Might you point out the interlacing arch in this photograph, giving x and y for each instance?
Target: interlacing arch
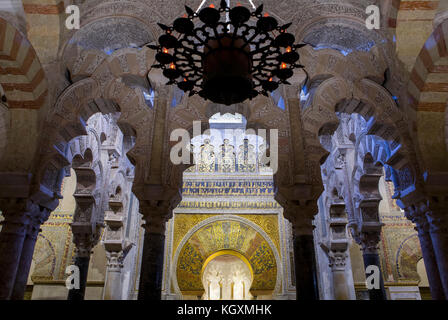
(380, 154)
(366, 98)
(326, 63)
(87, 219)
(103, 92)
(81, 59)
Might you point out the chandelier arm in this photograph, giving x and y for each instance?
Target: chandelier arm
(202, 42)
(194, 51)
(248, 41)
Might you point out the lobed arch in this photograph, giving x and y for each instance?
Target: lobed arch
(88, 218)
(374, 158)
(342, 13)
(118, 185)
(372, 171)
(138, 19)
(333, 186)
(366, 98)
(117, 196)
(104, 92)
(84, 153)
(326, 63)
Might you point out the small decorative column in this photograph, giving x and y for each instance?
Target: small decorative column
(32, 231)
(369, 237)
(417, 214)
(304, 252)
(86, 233)
(336, 249)
(16, 213)
(369, 243)
(437, 215)
(151, 274)
(116, 248)
(112, 288)
(84, 245)
(337, 264)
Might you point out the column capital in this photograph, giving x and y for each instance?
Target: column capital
(369, 240)
(438, 220)
(22, 215)
(338, 260)
(156, 214)
(417, 214)
(115, 260)
(429, 214)
(299, 202)
(337, 254)
(85, 242)
(301, 217)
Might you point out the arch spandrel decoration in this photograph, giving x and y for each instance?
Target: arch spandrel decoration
(226, 235)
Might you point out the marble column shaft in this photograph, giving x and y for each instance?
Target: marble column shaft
(112, 287)
(26, 258)
(17, 240)
(305, 267)
(369, 239)
(12, 237)
(82, 262)
(337, 265)
(373, 259)
(429, 257)
(151, 274)
(438, 229)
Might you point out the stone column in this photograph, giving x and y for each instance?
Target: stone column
(112, 288)
(26, 257)
(337, 265)
(417, 215)
(116, 248)
(336, 250)
(305, 267)
(438, 229)
(84, 245)
(85, 228)
(368, 236)
(304, 254)
(12, 236)
(369, 244)
(151, 273)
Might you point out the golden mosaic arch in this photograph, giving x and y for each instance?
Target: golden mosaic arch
(226, 235)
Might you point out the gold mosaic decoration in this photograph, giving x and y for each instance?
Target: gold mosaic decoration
(54, 246)
(185, 222)
(224, 235)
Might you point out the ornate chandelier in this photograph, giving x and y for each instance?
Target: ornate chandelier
(228, 61)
